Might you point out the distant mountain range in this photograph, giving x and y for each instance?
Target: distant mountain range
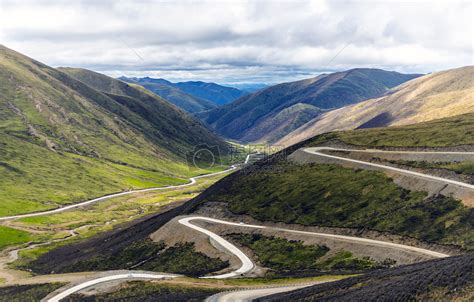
(213, 92)
(172, 94)
(193, 96)
(271, 113)
(69, 134)
(433, 96)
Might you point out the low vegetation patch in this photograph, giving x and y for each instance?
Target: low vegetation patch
(333, 196)
(25, 293)
(100, 217)
(9, 236)
(346, 261)
(152, 256)
(283, 255)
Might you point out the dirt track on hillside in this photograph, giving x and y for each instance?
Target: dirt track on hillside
(173, 233)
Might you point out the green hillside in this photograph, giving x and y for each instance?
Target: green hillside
(62, 141)
(155, 117)
(247, 118)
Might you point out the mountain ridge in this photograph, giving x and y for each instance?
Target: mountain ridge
(437, 95)
(114, 88)
(172, 94)
(245, 118)
(193, 96)
(218, 94)
(62, 141)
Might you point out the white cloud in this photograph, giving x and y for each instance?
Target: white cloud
(235, 41)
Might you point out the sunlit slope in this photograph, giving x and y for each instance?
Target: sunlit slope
(62, 141)
(438, 95)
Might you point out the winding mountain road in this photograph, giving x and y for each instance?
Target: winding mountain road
(246, 263)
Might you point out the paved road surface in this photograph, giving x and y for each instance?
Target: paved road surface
(125, 276)
(251, 294)
(247, 264)
(317, 151)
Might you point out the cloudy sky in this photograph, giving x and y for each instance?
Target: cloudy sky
(240, 41)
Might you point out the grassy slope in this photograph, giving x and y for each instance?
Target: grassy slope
(464, 168)
(329, 195)
(36, 179)
(9, 236)
(62, 141)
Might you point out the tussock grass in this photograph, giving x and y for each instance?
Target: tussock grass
(333, 196)
(10, 236)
